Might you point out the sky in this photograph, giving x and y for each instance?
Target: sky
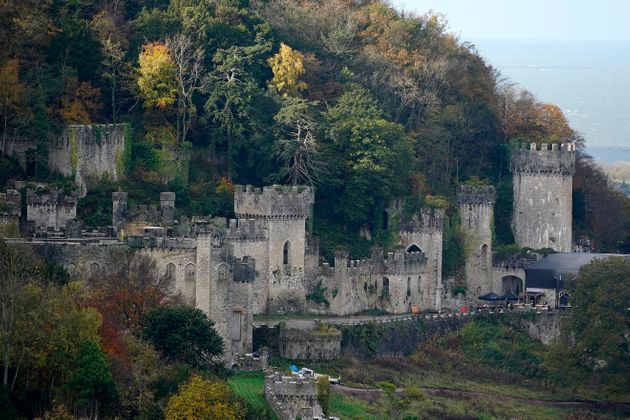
(531, 19)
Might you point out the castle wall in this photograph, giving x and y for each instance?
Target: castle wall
(543, 182)
(391, 284)
(50, 208)
(10, 208)
(81, 151)
(476, 216)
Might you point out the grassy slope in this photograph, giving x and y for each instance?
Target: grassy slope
(250, 386)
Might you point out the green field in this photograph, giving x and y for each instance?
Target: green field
(250, 386)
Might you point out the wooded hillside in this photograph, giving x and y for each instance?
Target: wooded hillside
(354, 97)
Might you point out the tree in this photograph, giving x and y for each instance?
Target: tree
(594, 345)
(287, 66)
(203, 399)
(323, 393)
(184, 334)
(91, 382)
(109, 26)
(126, 294)
(17, 269)
(298, 146)
(232, 90)
(136, 386)
(11, 96)
(189, 65)
(157, 76)
(368, 157)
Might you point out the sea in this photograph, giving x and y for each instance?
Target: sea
(588, 80)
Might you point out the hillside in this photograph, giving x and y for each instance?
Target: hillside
(355, 98)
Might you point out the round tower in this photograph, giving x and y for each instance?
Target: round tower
(476, 210)
(543, 196)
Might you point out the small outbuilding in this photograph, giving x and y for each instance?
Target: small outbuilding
(545, 280)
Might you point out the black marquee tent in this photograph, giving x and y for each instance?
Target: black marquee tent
(554, 269)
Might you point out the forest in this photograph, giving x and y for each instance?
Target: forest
(362, 101)
(353, 97)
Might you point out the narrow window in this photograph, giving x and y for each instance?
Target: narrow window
(385, 286)
(190, 273)
(95, 269)
(484, 254)
(170, 277)
(408, 286)
(286, 253)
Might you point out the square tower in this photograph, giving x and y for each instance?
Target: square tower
(543, 196)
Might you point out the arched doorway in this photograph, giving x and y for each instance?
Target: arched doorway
(512, 284)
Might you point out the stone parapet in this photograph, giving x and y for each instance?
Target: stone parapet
(480, 195)
(427, 221)
(557, 159)
(275, 201)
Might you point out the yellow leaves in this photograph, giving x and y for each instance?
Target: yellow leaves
(287, 66)
(200, 398)
(157, 80)
(10, 87)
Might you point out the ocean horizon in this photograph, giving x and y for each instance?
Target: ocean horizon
(588, 80)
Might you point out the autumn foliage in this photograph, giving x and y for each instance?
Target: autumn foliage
(157, 78)
(200, 398)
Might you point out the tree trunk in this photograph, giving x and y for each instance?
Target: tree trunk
(6, 348)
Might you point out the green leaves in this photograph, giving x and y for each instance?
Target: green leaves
(183, 334)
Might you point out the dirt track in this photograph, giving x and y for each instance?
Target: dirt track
(373, 394)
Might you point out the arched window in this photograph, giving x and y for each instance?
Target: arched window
(286, 253)
(190, 272)
(413, 248)
(95, 269)
(408, 286)
(222, 272)
(484, 254)
(170, 277)
(385, 290)
(71, 267)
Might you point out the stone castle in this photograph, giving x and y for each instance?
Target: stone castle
(265, 261)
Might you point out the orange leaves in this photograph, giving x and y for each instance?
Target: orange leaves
(80, 103)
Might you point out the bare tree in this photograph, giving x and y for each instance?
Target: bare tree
(298, 145)
(189, 63)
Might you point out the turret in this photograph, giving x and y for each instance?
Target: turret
(167, 206)
(543, 185)
(119, 208)
(476, 214)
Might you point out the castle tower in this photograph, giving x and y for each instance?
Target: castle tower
(476, 215)
(543, 200)
(167, 205)
(282, 211)
(424, 233)
(119, 208)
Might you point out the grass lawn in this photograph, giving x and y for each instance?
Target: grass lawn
(349, 408)
(250, 386)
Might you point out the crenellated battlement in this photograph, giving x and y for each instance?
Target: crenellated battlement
(392, 263)
(160, 243)
(276, 201)
(543, 159)
(476, 195)
(429, 220)
(244, 230)
(10, 202)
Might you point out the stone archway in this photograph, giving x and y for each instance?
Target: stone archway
(512, 284)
